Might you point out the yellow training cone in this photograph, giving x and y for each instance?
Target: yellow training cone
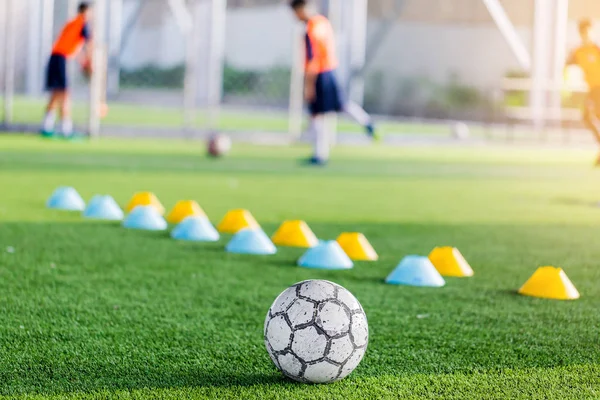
(295, 234)
(145, 199)
(184, 209)
(449, 262)
(550, 283)
(236, 220)
(357, 247)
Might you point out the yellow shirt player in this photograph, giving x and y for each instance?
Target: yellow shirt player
(587, 57)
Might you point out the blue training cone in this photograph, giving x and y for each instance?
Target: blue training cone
(93, 203)
(66, 198)
(415, 271)
(145, 218)
(251, 241)
(196, 229)
(326, 255)
(103, 207)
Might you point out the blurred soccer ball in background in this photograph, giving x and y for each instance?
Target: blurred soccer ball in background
(219, 145)
(460, 131)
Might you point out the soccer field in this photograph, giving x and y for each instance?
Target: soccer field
(30, 111)
(91, 310)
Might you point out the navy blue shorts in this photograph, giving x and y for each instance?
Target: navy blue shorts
(56, 74)
(328, 95)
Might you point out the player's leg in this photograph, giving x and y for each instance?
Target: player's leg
(50, 114)
(321, 145)
(60, 85)
(590, 115)
(54, 86)
(358, 114)
(318, 107)
(65, 114)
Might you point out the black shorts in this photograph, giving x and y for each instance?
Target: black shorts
(328, 96)
(56, 73)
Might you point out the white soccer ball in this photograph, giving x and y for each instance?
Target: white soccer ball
(316, 332)
(460, 131)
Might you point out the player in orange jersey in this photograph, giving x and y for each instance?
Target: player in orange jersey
(587, 57)
(73, 38)
(321, 89)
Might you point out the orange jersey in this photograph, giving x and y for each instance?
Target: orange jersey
(320, 46)
(587, 57)
(72, 38)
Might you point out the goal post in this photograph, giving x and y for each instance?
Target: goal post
(204, 61)
(184, 20)
(296, 101)
(9, 61)
(182, 15)
(99, 68)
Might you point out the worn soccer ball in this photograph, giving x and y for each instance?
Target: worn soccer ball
(219, 145)
(316, 332)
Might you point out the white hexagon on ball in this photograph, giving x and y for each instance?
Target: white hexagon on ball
(322, 372)
(333, 318)
(322, 349)
(360, 329)
(289, 364)
(278, 333)
(283, 301)
(301, 312)
(317, 290)
(341, 349)
(308, 344)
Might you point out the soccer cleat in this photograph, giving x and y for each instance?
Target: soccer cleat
(46, 134)
(74, 137)
(317, 161)
(313, 161)
(372, 132)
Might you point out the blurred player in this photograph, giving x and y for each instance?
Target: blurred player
(587, 57)
(321, 90)
(73, 38)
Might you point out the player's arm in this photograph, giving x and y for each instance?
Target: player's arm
(88, 47)
(571, 60)
(312, 68)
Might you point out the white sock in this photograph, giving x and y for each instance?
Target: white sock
(330, 122)
(357, 113)
(49, 121)
(321, 146)
(67, 127)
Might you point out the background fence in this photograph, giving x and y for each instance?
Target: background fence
(426, 61)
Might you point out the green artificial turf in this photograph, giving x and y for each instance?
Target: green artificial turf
(91, 310)
(30, 111)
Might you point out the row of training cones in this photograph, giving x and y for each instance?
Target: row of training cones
(146, 212)
(99, 207)
(547, 282)
(105, 207)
